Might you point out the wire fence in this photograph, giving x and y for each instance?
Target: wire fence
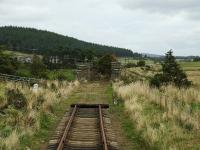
(7, 77)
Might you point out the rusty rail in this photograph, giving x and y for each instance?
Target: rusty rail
(66, 131)
(90, 105)
(69, 124)
(103, 135)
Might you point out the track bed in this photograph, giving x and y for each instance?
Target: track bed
(85, 127)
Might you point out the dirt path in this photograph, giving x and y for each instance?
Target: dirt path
(101, 92)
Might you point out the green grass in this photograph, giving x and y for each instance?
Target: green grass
(190, 66)
(65, 74)
(24, 70)
(15, 53)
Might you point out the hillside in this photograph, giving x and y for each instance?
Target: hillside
(28, 39)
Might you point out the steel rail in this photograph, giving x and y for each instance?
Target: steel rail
(103, 135)
(66, 131)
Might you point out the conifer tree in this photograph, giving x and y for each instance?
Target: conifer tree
(171, 73)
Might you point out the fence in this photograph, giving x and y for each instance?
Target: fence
(115, 70)
(83, 71)
(18, 78)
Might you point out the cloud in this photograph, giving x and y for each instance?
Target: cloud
(141, 25)
(191, 8)
(19, 11)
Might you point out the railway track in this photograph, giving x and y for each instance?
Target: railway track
(84, 127)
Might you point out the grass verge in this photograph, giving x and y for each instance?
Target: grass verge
(133, 139)
(48, 125)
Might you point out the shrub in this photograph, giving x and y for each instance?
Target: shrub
(130, 65)
(53, 86)
(157, 80)
(147, 67)
(141, 63)
(16, 98)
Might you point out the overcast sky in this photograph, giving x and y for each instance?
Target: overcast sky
(149, 26)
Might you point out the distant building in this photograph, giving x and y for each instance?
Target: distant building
(54, 60)
(24, 59)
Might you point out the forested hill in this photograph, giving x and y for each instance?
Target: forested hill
(28, 39)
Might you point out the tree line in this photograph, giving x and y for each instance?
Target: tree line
(49, 43)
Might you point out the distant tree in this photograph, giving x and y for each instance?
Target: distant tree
(136, 55)
(171, 73)
(38, 68)
(7, 64)
(27, 39)
(196, 59)
(90, 54)
(104, 64)
(141, 63)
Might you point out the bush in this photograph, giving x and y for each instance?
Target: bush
(147, 67)
(53, 86)
(130, 65)
(16, 98)
(157, 80)
(141, 63)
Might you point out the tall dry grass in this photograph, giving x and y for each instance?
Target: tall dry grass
(26, 121)
(162, 115)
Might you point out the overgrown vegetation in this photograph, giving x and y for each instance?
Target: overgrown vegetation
(141, 63)
(167, 119)
(25, 112)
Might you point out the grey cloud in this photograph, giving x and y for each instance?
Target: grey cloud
(166, 7)
(20, 11)
(159, 25)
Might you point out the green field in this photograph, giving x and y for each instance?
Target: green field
(125, 60)
(15, 53)
(190, 66)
